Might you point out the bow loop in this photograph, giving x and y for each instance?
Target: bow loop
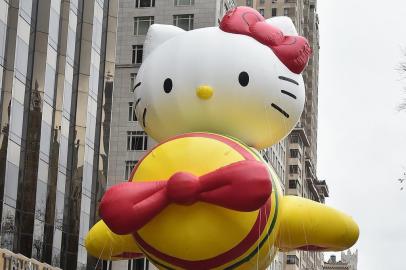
(241, 186)
(293, 51)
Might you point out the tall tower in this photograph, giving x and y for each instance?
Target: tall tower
(56, 68)
(301, 145)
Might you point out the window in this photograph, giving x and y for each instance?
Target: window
(138, 264)
(293, 169)
(184, 21)
(184, 2)
(273, 12)
(261, 2)
(141, 25)
(292, 259)
(249, 3)
(262, 11)
(286, 12)
(132, 116)
(137, 54)
(132, 81)
(144, 3)
(137, 141)
(129, 166)
(293, 184)
(294, 153)
(274, 1)
(294, 139)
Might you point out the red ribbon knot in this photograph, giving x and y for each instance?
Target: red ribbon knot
(242, 186)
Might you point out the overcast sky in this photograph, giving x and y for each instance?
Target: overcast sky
(362, 136)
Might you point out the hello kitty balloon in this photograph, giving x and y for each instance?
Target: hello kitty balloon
(204, 198)
(238, 80)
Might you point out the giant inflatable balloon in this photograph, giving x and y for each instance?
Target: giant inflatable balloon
(203, 198)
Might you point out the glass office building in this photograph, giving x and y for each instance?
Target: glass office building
(56, 82)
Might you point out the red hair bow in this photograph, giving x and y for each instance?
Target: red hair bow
(241, 186)
(293, 51)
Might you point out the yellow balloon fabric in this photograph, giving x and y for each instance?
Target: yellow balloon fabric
(206, 236)
(103, 244)
(305, 223)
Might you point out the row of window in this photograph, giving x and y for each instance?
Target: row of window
(262, 2)
(151, 3)
(274, 11)
(141, 24)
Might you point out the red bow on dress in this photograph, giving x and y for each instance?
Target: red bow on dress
(241, 186)
(293, 51)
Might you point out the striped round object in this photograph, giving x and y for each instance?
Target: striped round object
(204, 235)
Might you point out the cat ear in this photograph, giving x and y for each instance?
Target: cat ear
(285, 24)
(158, 34)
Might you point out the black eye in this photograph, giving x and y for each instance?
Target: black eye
(168, 85)
(243, 78)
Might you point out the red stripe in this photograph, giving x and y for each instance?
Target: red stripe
(221, 259)
(236, 146)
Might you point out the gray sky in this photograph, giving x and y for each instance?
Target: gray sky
(362, 136)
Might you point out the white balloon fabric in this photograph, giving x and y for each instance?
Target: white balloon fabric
(212, 81)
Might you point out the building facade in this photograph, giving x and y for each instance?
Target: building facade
(128, 141)
(56, 77)
(301, 145)
(349, 261)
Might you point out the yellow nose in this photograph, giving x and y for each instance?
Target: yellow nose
(204, 91)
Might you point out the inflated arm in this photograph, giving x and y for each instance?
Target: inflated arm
(102, 243)
(308, 225)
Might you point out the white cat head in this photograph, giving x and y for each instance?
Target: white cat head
(215, 81)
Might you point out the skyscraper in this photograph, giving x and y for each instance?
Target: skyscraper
(56, 70)
(301, 145)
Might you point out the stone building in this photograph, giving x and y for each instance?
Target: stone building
(349, 261)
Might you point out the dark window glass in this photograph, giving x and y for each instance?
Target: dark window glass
(129, 166)
(132, 117)
(294, 153)
(144, 3)
(138, 264)
(273, 10)
(293, 169)
(262, 11)
(137, 54)
(248, 3)
(137, 140)
(141, 25)
(184, 21)
(293, 183)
